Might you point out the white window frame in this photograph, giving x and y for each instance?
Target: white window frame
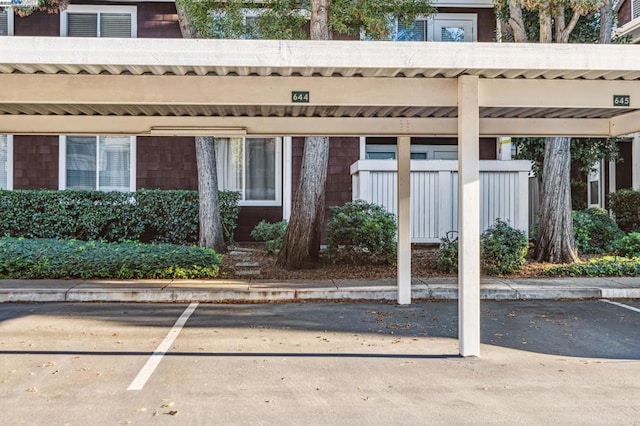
(9, 165)
(429, 150)
(62, 163)
(278, 171)
(85, 8)
(10, 20)
(447, 18)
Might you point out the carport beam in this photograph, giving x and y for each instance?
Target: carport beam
(404, 220)
(468, 216)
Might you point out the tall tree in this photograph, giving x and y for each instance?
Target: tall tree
(285, 19)
(211, 231)
(556, 20)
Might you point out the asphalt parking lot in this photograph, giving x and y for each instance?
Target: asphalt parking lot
(318, 363)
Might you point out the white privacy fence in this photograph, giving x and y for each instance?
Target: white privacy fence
(504, 187)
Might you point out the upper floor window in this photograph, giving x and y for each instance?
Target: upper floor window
(6, 162)
(456, 27)
(6, 21)
(635, 9)
(251, 166)
(98, 21)
(418, 152)
(101, 163)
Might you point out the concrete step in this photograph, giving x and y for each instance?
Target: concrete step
(248, 272)
(247, 265)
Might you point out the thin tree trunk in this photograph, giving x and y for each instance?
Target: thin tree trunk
(302, 239)
(555, 238)
(211, 234)
(546, 27)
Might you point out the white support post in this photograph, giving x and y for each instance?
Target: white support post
(468, 216)
(445, 189)
(404, 220)
(287, 180)
(522, 212)
(635, 162)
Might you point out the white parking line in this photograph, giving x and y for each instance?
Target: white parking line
(622, 305)
(148, 369)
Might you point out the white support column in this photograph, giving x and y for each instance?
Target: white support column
(404, 220)
(287, 180)
(468, 216)
(612, 177)
(635, 162)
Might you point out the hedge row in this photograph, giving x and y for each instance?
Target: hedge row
(150, 216)
(49, 258)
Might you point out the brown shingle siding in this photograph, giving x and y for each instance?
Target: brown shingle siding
(35, 162)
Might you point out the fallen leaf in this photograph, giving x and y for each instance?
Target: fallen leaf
(33, 389)
(173, 412)
(167, 405)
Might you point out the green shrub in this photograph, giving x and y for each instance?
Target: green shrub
(359, 230)
(503, 250)
(271, 233)
(625, 205)
(599, 267)
(594, 231)
(157, 216)
(51, 258)
(448, 254)
(629, 245)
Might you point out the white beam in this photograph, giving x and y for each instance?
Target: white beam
(297, 126)
(539, 93)
(524, 127)
(265, 126)
(404, 220)
(468, 217)
(625, 124)
(77, 89)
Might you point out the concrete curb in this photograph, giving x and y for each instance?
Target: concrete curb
(215, 292)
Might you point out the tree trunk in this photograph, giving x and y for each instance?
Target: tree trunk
(320, 20)
(302, 239)
(555, 237)
(211, 234)
(546, 27)
(606, 23)
(516, 22)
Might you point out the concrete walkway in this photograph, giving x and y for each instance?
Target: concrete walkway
(440, 288)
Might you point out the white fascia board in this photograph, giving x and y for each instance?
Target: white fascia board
(293, 56)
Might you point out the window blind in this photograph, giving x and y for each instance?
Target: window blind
(635, 9)
(4, 22)
(413, 32)
(115, 25)
(82, 25)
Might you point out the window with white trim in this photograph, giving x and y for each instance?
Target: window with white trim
(635, 9)
(6, 162)
(418, 152)
(6, 21)
(251, 166)
(101, 163)
(99, 21)
(454, 27)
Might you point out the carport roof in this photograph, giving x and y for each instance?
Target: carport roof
(525, 89)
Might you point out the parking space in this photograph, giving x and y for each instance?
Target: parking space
(316, 363)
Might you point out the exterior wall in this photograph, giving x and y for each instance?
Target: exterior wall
(249, 218)
(624, 12)
(486, 20)
(158, 20)
(624, 169)
(166, 163)
(155, 20)
(35, 163)
(37, 24)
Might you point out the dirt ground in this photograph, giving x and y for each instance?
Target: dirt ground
(423, 258)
